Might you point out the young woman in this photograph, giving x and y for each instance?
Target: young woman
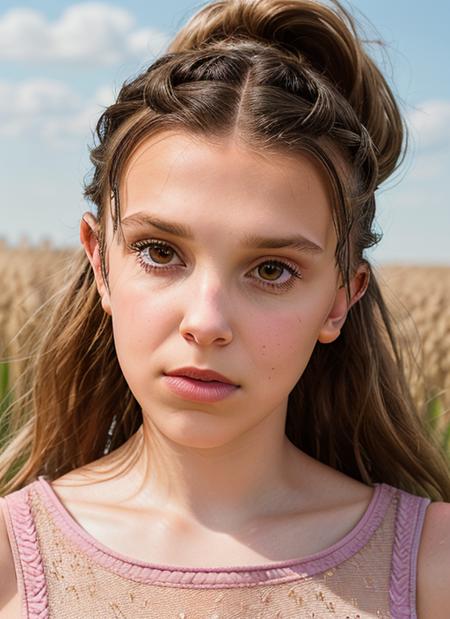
(219, 424)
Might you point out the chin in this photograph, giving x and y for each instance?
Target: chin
(196, 429)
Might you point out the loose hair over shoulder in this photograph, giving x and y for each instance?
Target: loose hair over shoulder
(281, 76)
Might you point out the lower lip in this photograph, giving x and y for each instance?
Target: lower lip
(198, 390)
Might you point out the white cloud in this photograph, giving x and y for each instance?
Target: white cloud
(430, 124)
(92, 33)
(49, 109)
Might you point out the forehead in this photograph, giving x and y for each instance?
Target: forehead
(225, 183)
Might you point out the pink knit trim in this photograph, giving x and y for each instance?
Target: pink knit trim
(32, 584)
(275, 572)
(409, 523)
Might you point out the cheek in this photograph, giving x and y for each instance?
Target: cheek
(140, 324)
(283, 344)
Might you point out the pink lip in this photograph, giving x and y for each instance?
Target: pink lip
(198, 390)
(199, 374)
(201, 385)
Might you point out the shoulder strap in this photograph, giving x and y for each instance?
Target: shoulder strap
(21, 528)
(408, 529)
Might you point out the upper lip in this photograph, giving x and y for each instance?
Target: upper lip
(198, 373)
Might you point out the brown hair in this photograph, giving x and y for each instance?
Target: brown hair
(283, 76)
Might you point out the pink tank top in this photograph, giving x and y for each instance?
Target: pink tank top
(63, 572)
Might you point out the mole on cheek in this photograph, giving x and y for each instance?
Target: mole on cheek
(270, 376)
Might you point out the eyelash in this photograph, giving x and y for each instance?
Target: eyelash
(140, 246)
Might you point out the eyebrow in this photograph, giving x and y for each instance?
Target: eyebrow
(297, 242)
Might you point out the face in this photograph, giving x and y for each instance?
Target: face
(216, 298)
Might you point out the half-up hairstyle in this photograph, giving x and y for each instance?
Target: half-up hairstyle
(280, 76)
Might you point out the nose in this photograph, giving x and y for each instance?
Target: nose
(205, 311)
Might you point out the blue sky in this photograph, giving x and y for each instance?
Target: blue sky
(51, 96)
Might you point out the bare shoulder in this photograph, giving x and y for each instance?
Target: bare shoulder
(9, 598)
(433, 565)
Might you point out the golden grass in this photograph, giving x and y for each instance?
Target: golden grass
(29, 276)
(419, 297)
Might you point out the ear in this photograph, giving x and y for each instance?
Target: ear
(89, 240)
(332, 326)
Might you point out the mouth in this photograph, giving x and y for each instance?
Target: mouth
(203, 375)
(198, 389)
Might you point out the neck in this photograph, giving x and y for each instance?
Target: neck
(256, 475)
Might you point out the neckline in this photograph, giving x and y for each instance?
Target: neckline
(276, 571)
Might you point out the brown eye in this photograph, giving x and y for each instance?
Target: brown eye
(160, 254)
(269, 273)
(272, 270)
(154, 255)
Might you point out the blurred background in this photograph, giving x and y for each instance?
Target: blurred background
(62, 62)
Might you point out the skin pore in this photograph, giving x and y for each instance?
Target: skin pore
(215, 472)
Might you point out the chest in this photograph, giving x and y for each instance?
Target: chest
(161, 539)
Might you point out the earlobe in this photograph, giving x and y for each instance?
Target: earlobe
(331, 328)
(89, 240)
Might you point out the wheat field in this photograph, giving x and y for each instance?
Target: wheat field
(418, 296)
